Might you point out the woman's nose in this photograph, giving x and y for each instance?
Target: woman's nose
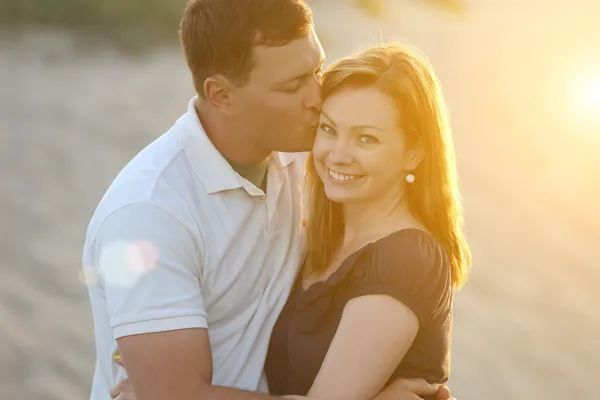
(341, 152)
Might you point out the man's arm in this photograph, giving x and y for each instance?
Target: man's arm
(149, 265)
(175, 365)
(179, 363)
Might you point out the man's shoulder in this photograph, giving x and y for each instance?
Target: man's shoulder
(127, 219)
(143, 186)
(137, 181)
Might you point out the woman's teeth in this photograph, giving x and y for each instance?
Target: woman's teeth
(341, 177)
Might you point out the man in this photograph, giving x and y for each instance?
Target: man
(197, 242)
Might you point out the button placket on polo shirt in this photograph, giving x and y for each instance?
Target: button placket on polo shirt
(276, 180)
(258, 197)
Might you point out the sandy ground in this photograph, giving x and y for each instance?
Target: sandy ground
(527, 326)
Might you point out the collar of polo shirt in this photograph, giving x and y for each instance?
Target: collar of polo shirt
(211, 168)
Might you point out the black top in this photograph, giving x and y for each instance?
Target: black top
(409, 265)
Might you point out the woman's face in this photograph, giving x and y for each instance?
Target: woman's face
(360, 152)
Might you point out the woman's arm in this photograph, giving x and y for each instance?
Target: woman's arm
(373, 336)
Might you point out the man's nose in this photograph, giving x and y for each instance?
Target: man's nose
(314, 99)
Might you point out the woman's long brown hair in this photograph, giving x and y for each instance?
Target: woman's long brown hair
(404, 74)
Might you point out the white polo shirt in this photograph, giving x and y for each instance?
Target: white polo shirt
(180, 240)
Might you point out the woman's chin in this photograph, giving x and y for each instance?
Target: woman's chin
(339, 196)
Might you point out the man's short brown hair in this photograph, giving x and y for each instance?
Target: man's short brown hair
(218, 36)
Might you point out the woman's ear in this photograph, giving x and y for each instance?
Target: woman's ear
(415, 156)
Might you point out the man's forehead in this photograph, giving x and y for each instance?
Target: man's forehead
(281, 63)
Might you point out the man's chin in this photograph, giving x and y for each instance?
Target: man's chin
(295, 147)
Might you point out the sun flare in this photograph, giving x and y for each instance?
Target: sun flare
(585, 102)
(587, 95)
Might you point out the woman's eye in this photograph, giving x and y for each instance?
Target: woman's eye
(327, 129)
(368, 139)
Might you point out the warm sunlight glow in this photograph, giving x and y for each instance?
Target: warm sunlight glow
(587, 95)
(586, 101)
(590, 96)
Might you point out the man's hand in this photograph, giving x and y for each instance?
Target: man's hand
(413, 389)
(443, 393)
(123, 391)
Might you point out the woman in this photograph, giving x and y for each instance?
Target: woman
(385, 251)
(373, 301)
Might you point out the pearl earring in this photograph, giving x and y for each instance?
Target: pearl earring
(410, 178)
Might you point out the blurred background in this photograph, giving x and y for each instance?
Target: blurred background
(84, 85)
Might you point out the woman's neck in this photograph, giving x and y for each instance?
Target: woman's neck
(364, 220)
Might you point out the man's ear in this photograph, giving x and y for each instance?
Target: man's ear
(218, 91)
(415, 156)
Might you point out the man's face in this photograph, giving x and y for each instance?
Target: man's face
(280, 104)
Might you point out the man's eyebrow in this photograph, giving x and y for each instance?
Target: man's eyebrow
(306, 74)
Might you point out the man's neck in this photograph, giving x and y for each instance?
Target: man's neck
(228, 138)
(255, 173)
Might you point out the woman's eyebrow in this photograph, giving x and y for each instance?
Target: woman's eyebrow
(328, 117)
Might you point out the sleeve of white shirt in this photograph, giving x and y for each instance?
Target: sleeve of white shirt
(149, 266)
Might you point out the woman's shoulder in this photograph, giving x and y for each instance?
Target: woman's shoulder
(412, 245)
(407, 256)
(409, 265)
